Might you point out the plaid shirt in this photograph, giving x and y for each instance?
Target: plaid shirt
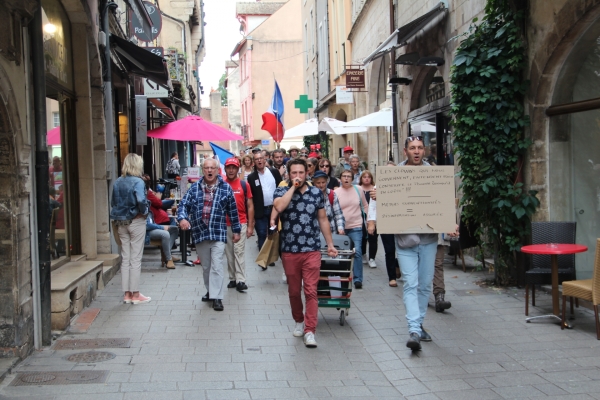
(334, 213)
(192, 207)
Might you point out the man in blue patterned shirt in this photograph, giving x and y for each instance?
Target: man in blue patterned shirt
(204, 209)
(303, 217)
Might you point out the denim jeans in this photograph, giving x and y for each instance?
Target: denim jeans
(356, 235)
(261, 225)
(417, 266)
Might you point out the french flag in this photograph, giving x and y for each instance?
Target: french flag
(221, 155)
(273, 119)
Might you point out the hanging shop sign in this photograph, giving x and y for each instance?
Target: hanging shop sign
(144, 31)
(153, 90)
(56, 31)
(343, 95)
(141, 120)
(355, 78)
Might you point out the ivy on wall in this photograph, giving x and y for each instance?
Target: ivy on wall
(489, 120)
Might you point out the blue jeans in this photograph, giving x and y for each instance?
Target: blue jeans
(356, 235)
(261, 225)
(417, 265)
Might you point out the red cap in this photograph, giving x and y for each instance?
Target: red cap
(232, 161)
(348, 148)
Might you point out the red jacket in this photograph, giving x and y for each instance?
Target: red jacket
(160, 215)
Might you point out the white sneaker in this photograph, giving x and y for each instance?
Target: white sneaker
(372, 263)
(284, 278)
(299, 329)
(309, 340)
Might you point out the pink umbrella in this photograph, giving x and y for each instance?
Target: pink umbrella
(193, 129)
(53, 136)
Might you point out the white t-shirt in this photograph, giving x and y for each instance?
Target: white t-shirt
(267, 183)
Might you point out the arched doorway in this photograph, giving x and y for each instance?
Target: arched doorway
(574, 146)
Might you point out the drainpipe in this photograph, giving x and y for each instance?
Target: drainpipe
(108, 99)
(394, 149)
(33, 223)
(41, 175)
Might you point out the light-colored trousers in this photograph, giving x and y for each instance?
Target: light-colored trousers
(211, 254)
(236, 263)
(132, 248)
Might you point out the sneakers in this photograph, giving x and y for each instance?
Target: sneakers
(440, 303)
(414, 342)
(284, 278)
(309, 340)
(299, 329)
(372, 263)
(425, 336)
(127, 299)
(140, 299)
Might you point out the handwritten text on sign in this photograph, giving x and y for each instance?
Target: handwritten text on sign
(415, 199)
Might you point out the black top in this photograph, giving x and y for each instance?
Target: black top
(257, 193)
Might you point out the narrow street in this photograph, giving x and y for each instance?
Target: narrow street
(179, 348)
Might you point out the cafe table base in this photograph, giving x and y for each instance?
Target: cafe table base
(568, 325)
(183, 243)
(553, 250)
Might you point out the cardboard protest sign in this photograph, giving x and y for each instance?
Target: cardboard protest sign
(415, 199)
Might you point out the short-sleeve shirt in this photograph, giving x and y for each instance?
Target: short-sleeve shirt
(240, 199)
(299, 221)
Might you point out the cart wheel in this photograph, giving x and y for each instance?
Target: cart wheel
(342, 317)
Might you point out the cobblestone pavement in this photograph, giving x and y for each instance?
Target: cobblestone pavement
(181, 349)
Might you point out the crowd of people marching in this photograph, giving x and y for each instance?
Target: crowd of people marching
(301, 194)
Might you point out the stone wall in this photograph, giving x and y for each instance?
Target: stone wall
(370, 29)
(16, 314)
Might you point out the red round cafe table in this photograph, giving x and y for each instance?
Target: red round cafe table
(554, 250)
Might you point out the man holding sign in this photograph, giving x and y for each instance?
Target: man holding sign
(415, 251)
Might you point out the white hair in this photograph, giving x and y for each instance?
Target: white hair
(210, 159)
(354, 156)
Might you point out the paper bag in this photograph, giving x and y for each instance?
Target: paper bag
(269, 253)
(115, 232)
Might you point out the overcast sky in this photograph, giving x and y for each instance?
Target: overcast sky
(222, 32)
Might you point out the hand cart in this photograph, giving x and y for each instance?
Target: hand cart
(335, 279)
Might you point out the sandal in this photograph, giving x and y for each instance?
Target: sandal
(393, 283)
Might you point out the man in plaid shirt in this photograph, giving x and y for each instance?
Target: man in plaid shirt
(204, 209)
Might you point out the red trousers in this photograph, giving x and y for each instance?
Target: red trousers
(303, 267)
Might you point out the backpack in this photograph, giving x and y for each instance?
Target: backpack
(245, 189)
(171, 169)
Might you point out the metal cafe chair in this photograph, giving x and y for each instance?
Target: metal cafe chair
(541, 273)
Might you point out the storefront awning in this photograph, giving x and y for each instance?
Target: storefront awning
(401, 35)
(179, 102)
(162, 108)
(141, 62)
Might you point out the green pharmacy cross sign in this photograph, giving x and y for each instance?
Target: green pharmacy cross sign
(303, 103)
